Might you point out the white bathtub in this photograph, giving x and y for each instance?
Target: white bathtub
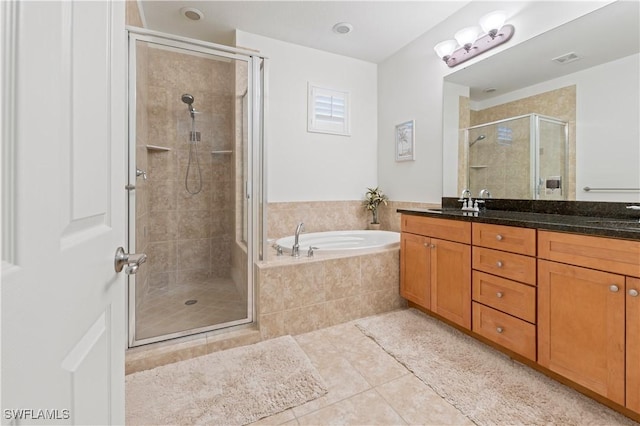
(341, 242)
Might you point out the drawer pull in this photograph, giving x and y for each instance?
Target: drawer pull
(613, 288)
(499, 237)
(499, 263)
(499, 295)
(633, 292)
(433, 246)
(499, 330)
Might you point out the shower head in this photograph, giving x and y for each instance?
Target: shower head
(188, 99)
(479, 138)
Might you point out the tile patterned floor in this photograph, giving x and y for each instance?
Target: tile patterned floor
(366, 386)
(218, 301)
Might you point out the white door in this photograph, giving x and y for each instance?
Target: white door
(64, 139)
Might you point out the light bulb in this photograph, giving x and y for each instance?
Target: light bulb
(492, 22)
(467, 36)
(444, 49)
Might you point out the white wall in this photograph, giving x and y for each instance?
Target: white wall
(410, 87)
(303, 166)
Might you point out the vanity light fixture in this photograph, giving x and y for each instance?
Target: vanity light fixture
(472, 41)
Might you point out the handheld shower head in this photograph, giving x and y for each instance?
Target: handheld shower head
(479, 138)
(188, 99)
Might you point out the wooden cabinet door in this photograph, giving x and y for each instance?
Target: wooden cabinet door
(451, 281)
(581, 326)
(633, 344)
(415, 269)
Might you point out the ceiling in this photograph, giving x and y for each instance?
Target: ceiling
(306, 23)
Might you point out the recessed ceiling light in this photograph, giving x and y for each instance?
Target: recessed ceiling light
(192, 13)
(342, 28)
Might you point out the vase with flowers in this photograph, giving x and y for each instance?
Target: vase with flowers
(372, 200)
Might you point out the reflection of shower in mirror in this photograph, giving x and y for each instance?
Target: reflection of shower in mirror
(523, 157)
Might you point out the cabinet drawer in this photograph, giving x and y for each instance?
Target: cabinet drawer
(452, 230)
(507, 238)
(508, 265)
(505, 295)
(605, 254)
(510, 332)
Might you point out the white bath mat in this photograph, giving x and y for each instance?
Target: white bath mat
(232, 387)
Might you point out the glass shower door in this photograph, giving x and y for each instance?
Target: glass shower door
(189, 132)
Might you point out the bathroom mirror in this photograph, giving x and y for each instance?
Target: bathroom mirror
(598, 60)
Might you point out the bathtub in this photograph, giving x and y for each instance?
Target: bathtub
(341, 242)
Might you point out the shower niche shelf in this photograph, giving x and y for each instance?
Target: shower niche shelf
(221, 152)
(157, 148)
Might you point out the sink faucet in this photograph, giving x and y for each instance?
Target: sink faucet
(295, 251)
(467, 203)
(484, 193)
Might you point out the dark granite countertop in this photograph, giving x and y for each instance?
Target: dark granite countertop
(599, 219)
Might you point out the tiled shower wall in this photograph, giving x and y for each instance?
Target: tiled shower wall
(189, 236)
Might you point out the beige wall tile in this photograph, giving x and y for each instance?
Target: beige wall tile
(305, 319)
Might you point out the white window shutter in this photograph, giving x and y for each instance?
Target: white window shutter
(328, 111)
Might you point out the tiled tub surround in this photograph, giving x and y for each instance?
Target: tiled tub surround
(321, 216)
(297, 295)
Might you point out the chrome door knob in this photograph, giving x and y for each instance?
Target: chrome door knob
(131, 260)
(633, 292)
(613, 288)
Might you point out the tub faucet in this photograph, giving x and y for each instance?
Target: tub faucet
(295, 251)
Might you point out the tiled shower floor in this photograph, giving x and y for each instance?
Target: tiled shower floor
(218, 301)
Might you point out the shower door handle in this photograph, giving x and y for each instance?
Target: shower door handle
(131, 260)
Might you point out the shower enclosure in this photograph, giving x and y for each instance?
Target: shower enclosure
(525, 157)
(195, 185)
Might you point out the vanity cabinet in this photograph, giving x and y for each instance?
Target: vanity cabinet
(435, 266)
(588, 313)
(504, 292)
(633, 345)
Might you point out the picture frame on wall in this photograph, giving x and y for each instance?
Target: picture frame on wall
(405, 141)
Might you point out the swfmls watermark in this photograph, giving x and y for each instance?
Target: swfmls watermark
(36, 414)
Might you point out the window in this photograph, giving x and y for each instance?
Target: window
(328, 111)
